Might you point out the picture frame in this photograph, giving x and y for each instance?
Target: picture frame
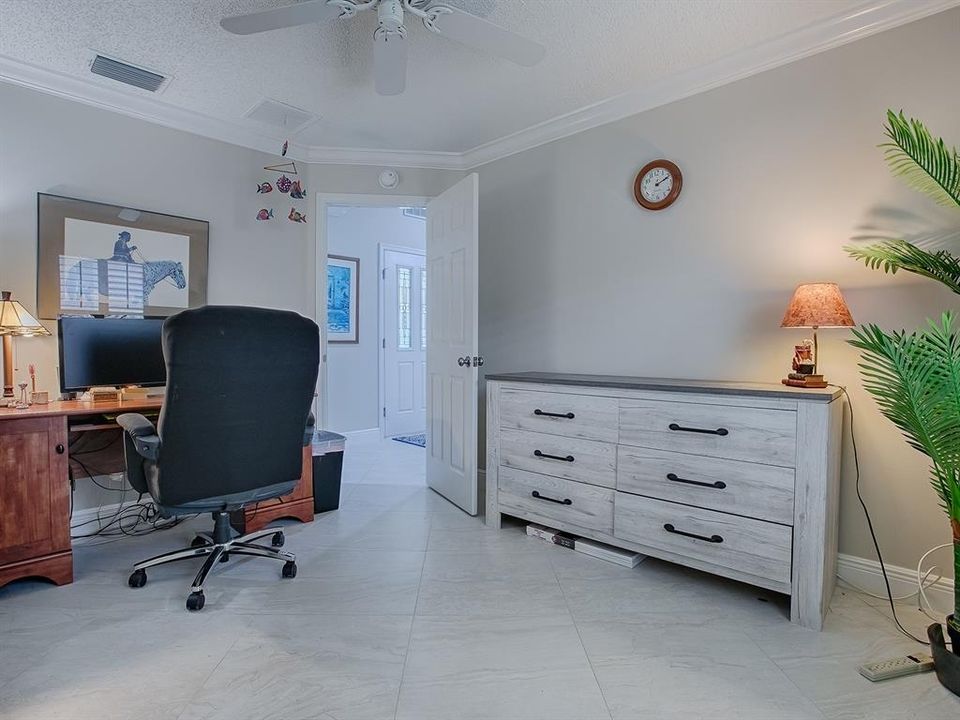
(100, 259)
(343, 299)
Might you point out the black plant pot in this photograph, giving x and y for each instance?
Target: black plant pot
(954, 635)
(947, 663)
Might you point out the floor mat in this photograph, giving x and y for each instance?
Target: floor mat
(420, 439)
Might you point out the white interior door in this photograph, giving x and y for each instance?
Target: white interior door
(404, 343)
(452, 235)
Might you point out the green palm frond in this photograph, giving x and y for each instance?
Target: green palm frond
(892, 255)
(915, 379)
(925, 164)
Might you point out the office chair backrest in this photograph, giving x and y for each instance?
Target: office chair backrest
(240, 383)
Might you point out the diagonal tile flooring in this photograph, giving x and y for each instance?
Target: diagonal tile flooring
(404, 608)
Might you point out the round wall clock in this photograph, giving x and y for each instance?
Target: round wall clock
(658, 184)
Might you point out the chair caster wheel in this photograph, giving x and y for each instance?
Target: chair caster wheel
(289, 569)
(224, 557)
(195, 600)
(137, 579)
(198, 542)
(277, 540)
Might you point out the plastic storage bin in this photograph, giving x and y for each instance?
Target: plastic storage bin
(328, 450)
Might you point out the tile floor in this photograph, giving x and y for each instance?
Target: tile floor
(405, 608)
(371, 459)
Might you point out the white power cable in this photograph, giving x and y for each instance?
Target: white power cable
(924, 582)
(923, 595)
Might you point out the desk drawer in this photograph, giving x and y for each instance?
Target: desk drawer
(586, 461)
(723, 431)
(759, 491)
(548, 498)
(745, 545)
(575, 416)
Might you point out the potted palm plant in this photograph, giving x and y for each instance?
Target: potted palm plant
(915, 377)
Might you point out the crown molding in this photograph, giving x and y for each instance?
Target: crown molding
(855, 24)
(860, 22)
(429, 159)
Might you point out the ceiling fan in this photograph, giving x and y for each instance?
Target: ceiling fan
(389, 39)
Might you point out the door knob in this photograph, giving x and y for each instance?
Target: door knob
(478, 360)
(463, 361)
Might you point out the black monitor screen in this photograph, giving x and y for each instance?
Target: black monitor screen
(110, 352)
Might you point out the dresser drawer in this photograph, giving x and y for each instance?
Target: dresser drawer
(759, 491)
(723, 431)
(575, 416)
(546, 498)
(754, 547)
(586, 461)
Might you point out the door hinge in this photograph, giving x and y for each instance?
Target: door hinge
(384, 412)
(384, 343)
(383, 273)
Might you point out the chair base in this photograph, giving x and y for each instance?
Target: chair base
(218, 547)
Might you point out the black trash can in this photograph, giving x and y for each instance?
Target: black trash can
(328, 450)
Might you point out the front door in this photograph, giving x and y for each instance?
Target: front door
(404, 343)
(452, 376)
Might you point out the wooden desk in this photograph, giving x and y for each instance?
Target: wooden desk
(35, 487)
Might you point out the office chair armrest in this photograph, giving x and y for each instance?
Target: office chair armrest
(309, 429)
(143, 434)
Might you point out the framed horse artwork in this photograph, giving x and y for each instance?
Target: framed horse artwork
(100, 259)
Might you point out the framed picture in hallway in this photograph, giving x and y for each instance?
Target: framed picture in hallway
(343, 299)
(100, 259)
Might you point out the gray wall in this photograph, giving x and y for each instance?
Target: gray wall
(780, 170)
(353, 371)
(53, 145)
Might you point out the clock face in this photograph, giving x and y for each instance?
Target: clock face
(658, 185)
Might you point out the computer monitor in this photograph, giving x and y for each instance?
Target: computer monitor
(110, 352)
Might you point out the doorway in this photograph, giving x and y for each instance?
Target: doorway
(450, 315)
(372, 382)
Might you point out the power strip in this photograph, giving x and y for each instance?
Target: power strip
(897, 667)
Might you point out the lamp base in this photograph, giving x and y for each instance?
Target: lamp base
(7, 366)
(805, 381)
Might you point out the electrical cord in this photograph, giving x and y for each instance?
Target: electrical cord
(139, 513)
(866, 514)
(922, 583)
(923, 595)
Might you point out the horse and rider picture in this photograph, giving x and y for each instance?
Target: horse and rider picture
(107, 259)
(164, 257)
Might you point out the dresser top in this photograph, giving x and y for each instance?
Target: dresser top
(717, 387)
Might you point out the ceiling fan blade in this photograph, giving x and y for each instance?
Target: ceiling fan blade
(390, 63)
(302, 13)
(484, 35)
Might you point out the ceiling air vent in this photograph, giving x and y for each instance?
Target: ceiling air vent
(127, 73)
(281, 116)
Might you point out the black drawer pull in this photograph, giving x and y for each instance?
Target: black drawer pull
(538, 496)
(568, 416)
(712, 539)
(680, 428)
(719, 484)
(568, 458)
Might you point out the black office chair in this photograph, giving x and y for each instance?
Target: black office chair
(240, 382)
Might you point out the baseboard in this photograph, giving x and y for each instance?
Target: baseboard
(368, 433)
(866, 574)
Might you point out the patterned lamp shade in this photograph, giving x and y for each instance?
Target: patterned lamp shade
(15, 320)
(817, 305)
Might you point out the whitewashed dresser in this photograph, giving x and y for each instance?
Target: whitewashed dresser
(740, 480)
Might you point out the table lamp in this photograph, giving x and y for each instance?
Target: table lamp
(814, 305)
(15, 321)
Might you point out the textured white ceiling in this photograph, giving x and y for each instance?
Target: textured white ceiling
(456, 98)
